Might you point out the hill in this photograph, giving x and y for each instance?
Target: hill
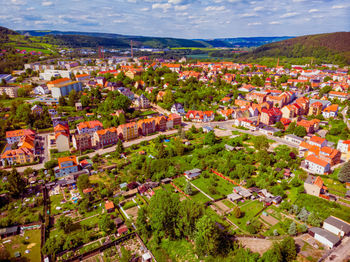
(331, 47)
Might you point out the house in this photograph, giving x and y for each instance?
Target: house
(66, 166)
(315, 108)
(317, 165)
(245, 193)
(109, 206)
(314, 186)
(269, 131)
(200, 116)
(270, 116)
(318, 141)
(331, 155)
(82, 142)
(11, 91)
(78, 106)
(227, 114)
(338, 95)
(234, 197)
(176, 120)
(105, 137)
(16, 135)
(9, 231)
(128, 131)
(62, 141)
(311, 126)
(122, 230)
(146, 126)
(142, 102)
(324, 236)
(293, 139)
(291, 111)
(41, 90)
(177, 108)
(37, 110)
(146, 257)
(337, 226)
(66, 88)
(21, 155)
(89, 127)
(330, 111)
(192, 174)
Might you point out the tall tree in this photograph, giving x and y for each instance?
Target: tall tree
(344, 174)
(261, 143)
(207, 237)
(15, 183)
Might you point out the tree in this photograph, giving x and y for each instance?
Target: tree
(300, 131)
(288, 249)
(141, 223)
(274, 254)
(303, 214)
(126, 255)
(85, 101)
(344, 173)
(188, 188)
(62, 101)
(261, 143)
(120, 148)
(291, 128)
(292, 229)
(65, 223)
(207, 238)
(72, 97)
(210, 138)
(161, 151)
(168, 97)
(314, 220)
(50, 164)
(83, 182)
(106, 224)
(15, 183)
(279, 125)
(236, 212)
(179, 147)
(84, 206)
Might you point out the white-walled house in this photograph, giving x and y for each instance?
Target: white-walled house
(337, 226)
(317, 165)
(324, 237)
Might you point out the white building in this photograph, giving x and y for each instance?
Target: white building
(337, 226)
(293, 139)
(317, 165)
(54, 73)
(324, 237)
(343, 146)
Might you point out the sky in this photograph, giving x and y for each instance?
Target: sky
(191, 19)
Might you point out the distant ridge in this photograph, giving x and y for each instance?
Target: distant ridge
(329, 47)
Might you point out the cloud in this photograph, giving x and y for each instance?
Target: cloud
(338, 6)
(258, 8)
(255, 23)
(215, 8)
(289, 14)
(181, 7)
(47, 3)
(248, 15)
(118, 21)
(313, 10)
(298, 1)
(164, 6)
(18, 2)
(275, 23)
(144, 9)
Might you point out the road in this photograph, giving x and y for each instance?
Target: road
(345, 110)
(340, 253)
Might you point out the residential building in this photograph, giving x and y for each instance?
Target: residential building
(66, 166)
(82, 142)
(105, 137)
(66, 88)
(146, 126)
(304, 103)
(311, 126)
(89, 127)
(330, 111)
(193, 173)
(128, 131)
(318, 141)
(37, 110)
(317, 165)
(315, 109)
(62, 142)
(331, 155)
(270, 116)
(314, 186)
(338, 95)
(291, 111)
(16, 135)
(58, 82)
(176, 121)
(11, 91)
(344, 147)
(142, 102)
(177, 108)
(293, 139)
(200, 116)
(324, 236)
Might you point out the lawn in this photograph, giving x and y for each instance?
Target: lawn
(223, 187)
(147, 113)
(21, 244)
(91, 222)
(7, 102)
(196, 195)
(248, 212)
(56, 202)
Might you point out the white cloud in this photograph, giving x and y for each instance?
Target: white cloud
(181, 7)
(215, 8)
(144, 9)
(275, 23)
(30, 9)
(255, 23)
(47, 3)
(298, 1)
(164, 6)
(248, 15)
(175, 2)
(258, 8)
(338, 6)
(289, 14)
(313, 10)
(18, 2)
(118, 21)
(132, 1)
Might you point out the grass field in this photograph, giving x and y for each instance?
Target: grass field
(7, 102)
(21, 244)
(196, 195)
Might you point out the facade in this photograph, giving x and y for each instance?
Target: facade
(62, 142)
(200, 116)
(176, 120)
(128, 131)
(89, 127)
(16, 135)
(324, 236)
(337, 226)
(66, 166)
(65, 89)
(37, 110)
(330, 111)
(105, 137)
(142, 102)
(146, 126)
(11, 91)
(314, 185)
(317, 165)
(82, 142)
(177, 108)
(270, 116)
(293, 139)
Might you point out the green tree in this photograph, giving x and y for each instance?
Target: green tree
(141, 223)
(303, 214)
(188, 188)
(179, 147)
(261, 143)
(210, 138)
(85, 101)
(15, 183)
(51, 164)
(83, 182)
(292, 229)
(120, 148)
(279, 125)
(126, 255)
(288, 249)
(84, 206)
(300, 131)
(106, 224)
(72, 97)
(62, 101)
(344, 173)
(207, 238)
(65, 223)
(291, 128)
(236, 212)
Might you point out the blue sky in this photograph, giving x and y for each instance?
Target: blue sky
(180, 18)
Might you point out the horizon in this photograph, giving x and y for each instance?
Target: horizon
(188, 19)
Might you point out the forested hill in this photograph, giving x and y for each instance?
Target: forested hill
(332, 47)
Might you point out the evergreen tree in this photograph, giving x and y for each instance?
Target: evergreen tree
(120, 148)
(188, 188)
(292, 229)
(344, 174)
(236, 212)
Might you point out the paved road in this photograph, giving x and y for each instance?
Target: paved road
(340, 253)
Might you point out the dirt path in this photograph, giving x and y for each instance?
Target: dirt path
(255, 244)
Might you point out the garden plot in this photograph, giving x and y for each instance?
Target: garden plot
(269, 219)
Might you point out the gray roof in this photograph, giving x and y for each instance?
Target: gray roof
(8, 230)
(193, 171)
(234, 196)
(294, 137)
(338, 223)
(326, 234)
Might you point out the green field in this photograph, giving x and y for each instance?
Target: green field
(196, 195)
(21, 244)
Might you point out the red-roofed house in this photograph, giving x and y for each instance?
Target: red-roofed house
(317, 165)
(270, 116)
(200, 116)
(89, 127)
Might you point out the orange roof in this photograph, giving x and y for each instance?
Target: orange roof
(312, 158)
(21, 132)
(317, 139)
(109, 205)
(338, 93)
(316, 104)
(331, 108)
(58, 81)
(89, 124)
(82, 75)
(104, 131)
(131, 124)
(67, 159)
